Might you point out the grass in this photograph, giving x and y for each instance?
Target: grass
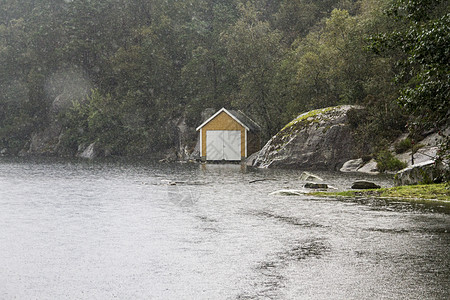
(307, 115)
(438, 194)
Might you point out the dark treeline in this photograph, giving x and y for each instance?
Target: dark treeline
(122, 73)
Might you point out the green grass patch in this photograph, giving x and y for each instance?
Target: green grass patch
(425, 193)
(307, 115)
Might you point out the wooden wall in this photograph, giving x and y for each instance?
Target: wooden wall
(223, 122)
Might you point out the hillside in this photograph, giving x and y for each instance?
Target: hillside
(123, 75)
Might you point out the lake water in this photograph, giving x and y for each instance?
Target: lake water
(103, 230)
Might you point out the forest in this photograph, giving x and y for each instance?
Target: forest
(122, 73)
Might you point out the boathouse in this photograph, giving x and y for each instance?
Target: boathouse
(228, 135)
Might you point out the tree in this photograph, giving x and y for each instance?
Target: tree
(295, 18)
(207, 76)
(254, 51)
(423, 42)
(329, 63)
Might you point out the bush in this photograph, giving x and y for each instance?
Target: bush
(388, 162)
(379, 124)
(403, 146)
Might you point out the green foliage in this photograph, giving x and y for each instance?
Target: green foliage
(295, 18)
(153, 62)
(388, 162)
(407, 145)
(424, 193)
(421, 39)
(403, 146)
(443, 157)
(376, 126)
(254, 50)
(313, 115)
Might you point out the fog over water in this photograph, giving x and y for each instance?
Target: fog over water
(114, 229)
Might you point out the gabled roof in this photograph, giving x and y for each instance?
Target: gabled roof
(238, 116)
(252, 125)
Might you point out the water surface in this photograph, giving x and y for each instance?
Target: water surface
(102, 230)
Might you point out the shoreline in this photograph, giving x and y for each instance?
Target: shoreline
(429, 194)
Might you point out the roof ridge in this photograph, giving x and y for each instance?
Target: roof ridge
(238, 116)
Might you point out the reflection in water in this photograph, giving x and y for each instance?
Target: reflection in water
(182, 195)
(77, 229)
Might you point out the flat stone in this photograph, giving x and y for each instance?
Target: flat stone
(306, 176)
(288, 193)
(313, 185)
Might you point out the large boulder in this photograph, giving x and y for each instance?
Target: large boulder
(352, 165)
(319, 139)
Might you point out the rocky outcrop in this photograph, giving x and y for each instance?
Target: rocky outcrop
(90, 152)
(45, 142)
(320, 139)
(185, 135)
(425, 154)
(420, 173)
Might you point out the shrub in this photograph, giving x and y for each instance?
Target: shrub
(388, 162)
(403, 146)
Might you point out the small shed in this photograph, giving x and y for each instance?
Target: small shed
(228, 135)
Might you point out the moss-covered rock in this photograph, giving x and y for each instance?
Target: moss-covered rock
(318, 139)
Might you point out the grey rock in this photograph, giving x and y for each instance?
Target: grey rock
(313, 185)
(364, 185)
(90, 152)
(369, 168)
(352, 165)
(195, 155)
(287, 193)
(320, 140)
(251, 159)
(424, 172)
(185, 135)
(207, 113)
(422, 156)
(306, 176)
(66, 86)
(45, 141)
